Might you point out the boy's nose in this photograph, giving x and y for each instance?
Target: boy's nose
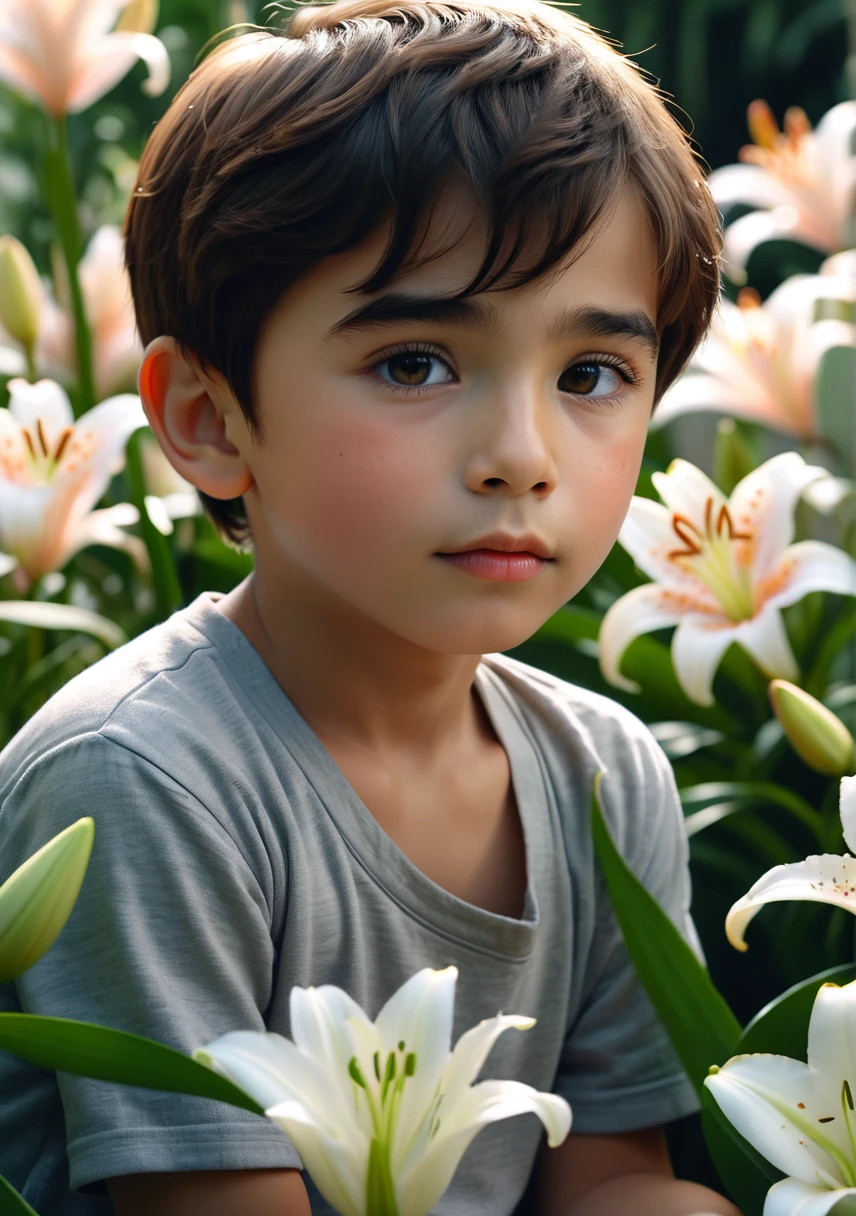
(514, 446)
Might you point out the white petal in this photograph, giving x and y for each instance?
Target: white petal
(639, 611)
(809, 565)
(764, 637)
(422, 1185)
(697, 649)
(271, 1070)
(104, 527)
(827, 878)
(741, 237)
(685, 489)
(45, 400)
(827, 493)
(790, 1197)
(745, 399)
(764, 502)
(45, 615)
(110, 59)
(847, 810)
(761, 1096)
(832, 1046)
(420, 1015)
(743, 183)
(321, 1026)
(648, 536)
(338, 1167)
(98, 442)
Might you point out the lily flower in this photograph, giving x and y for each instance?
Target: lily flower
(806, 177)
(381, 1112)
(60, 53)
(53, 471)
(106, 291)
(828, 878)
(759, 361)
(724, 567)
(801, 1116)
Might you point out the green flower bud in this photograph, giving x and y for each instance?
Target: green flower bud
(816, 734)
(733, 458)
(20, 292)
(36, 900)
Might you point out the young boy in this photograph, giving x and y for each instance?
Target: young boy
(410, 280)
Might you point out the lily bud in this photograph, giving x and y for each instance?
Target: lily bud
(20, 292)
(733, 458)
(816, 734)
(140, 17)
(36, 900)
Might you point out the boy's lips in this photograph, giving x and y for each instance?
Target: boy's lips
(504, 542)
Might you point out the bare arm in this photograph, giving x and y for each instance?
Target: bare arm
(211, 1193)
(631, 1172)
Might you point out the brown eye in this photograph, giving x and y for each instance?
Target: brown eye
(582, 378)
(411, 367)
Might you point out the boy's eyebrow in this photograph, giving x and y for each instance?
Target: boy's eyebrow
(588, 320)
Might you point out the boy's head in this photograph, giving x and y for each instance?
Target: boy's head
(498, 154)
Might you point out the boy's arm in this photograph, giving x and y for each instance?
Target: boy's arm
(211, 1193)
(629, 1172)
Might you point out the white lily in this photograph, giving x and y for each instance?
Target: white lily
(62, 55)
(828, 878)
(724, 567)
(806, 177)
(106, 291)
(53, 471)
(801, 1116)
(381, 1112)
(759, 361)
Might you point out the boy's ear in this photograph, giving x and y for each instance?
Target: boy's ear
(197, 423)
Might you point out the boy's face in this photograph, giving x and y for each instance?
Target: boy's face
(361, 484)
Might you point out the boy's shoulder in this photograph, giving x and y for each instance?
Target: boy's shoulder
(162, 683)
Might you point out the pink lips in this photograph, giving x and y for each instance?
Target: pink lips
(496, 566)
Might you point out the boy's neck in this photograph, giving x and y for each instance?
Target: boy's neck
(366, 689)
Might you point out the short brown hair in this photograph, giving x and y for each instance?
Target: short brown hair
(288, 145)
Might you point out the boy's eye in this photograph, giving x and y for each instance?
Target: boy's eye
(419, 368)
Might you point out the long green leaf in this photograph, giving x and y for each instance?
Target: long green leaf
(701, 1025)
(65, 1045)
(748, 793)
(11, 1203)
(782, 1026)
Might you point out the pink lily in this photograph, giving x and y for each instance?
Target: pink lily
(806, 177)
(62, 55)
(723, 568)
(53, 471)
(759, 361)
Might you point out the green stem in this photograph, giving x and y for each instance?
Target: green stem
(63, 203)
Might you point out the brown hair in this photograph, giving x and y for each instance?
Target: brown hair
(288, 145)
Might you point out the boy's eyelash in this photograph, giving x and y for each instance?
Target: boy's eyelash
(627, 372)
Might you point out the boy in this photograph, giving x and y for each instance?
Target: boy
(410, 281)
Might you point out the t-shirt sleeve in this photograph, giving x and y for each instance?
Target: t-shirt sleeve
(618, 1069)
(170, 938)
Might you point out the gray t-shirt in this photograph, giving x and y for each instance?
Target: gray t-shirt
(233, 860)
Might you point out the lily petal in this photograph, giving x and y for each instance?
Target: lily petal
(699, 391)
(109, 60)
(272, 1070)
(809, 565)
(764, 637)
(826, 878)
(338, 1167)
(747, 184)
(832, 1048)
(790, 1197)
(639, 611)
(648, 536)
(697, 649)
(773, 1103)
(321, 1027)
(763, 503)
(847, 810)
(685, 489)
(429, 1176)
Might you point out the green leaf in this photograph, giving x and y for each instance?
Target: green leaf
(782, 1026)
(699, 1022)
(65, 1045)
(738, 795)
(11, 1203)
(836, 375)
